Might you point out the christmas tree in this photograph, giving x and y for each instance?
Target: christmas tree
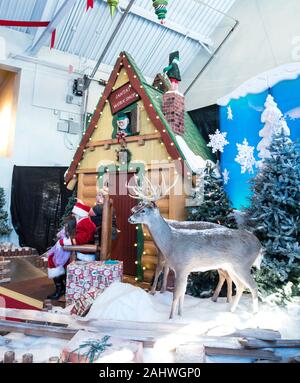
(68, 210)
(215, 208)
(4, 228)
(273, 123)
(274, 215)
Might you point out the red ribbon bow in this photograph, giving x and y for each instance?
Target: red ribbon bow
(121, 136)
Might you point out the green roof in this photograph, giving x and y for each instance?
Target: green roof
(192, 136)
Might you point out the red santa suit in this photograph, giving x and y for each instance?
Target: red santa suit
(85, 233)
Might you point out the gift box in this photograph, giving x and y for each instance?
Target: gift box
(86, 347)
(85, 301)
(82, 276)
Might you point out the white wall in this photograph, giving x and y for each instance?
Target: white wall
(41, 104)
(268, 36)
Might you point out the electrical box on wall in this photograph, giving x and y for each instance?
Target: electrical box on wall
(70, 127)
(71, 99)
(74, 127)
(63, 126)
(78, 87)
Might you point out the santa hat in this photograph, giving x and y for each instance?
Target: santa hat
(81, 210)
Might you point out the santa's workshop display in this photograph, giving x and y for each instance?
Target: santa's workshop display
(136, 130)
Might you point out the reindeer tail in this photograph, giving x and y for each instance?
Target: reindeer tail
(258, 260)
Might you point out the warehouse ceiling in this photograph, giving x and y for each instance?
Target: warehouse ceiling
(190, 28)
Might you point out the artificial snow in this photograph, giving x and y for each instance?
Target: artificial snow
(196, 163)
(263, 82)
(274, 123)
(121, 301)
(202, 317)
(9, 246)
(42, 348)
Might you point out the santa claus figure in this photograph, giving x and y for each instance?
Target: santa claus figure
(57, 259)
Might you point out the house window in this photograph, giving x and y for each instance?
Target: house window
(127, 121)
(9, 83)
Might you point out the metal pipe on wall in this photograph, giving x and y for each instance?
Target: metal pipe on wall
(105, 50)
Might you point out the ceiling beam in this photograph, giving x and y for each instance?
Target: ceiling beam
(47, 14)
(44, 37)
(139, 11)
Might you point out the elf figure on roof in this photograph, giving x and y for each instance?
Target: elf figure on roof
(173, 71)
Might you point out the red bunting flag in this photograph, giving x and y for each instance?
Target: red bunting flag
(89, 4)
(29, 24)
(52, 38)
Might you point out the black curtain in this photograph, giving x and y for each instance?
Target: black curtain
(38, 201)
(207, 121)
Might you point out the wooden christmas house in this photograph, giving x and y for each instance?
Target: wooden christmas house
(160, 138)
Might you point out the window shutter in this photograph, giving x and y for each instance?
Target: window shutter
(135, 120)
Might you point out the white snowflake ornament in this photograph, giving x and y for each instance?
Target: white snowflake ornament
(225, 176)
(217, 141)
(245, 157)
(229, 113)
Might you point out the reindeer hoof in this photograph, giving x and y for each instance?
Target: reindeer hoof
(232, 309)
(152, 292)
(229, 300)
(214, 299)
(162, 291)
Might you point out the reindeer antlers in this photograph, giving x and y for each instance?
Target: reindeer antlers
(149, 192)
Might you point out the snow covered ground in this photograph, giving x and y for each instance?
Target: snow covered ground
(126, 302)
(202, 317)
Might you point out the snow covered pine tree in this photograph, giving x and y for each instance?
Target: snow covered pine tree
(274, 122)
(215, 208)
(4, 227)
(274, 215)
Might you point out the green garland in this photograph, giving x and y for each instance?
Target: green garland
(96, 348)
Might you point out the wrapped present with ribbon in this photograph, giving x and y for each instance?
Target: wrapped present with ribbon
(84, 276)
(86, 347)
(84, 303)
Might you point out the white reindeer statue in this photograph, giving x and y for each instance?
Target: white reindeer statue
(163, 267)
(186, 251)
